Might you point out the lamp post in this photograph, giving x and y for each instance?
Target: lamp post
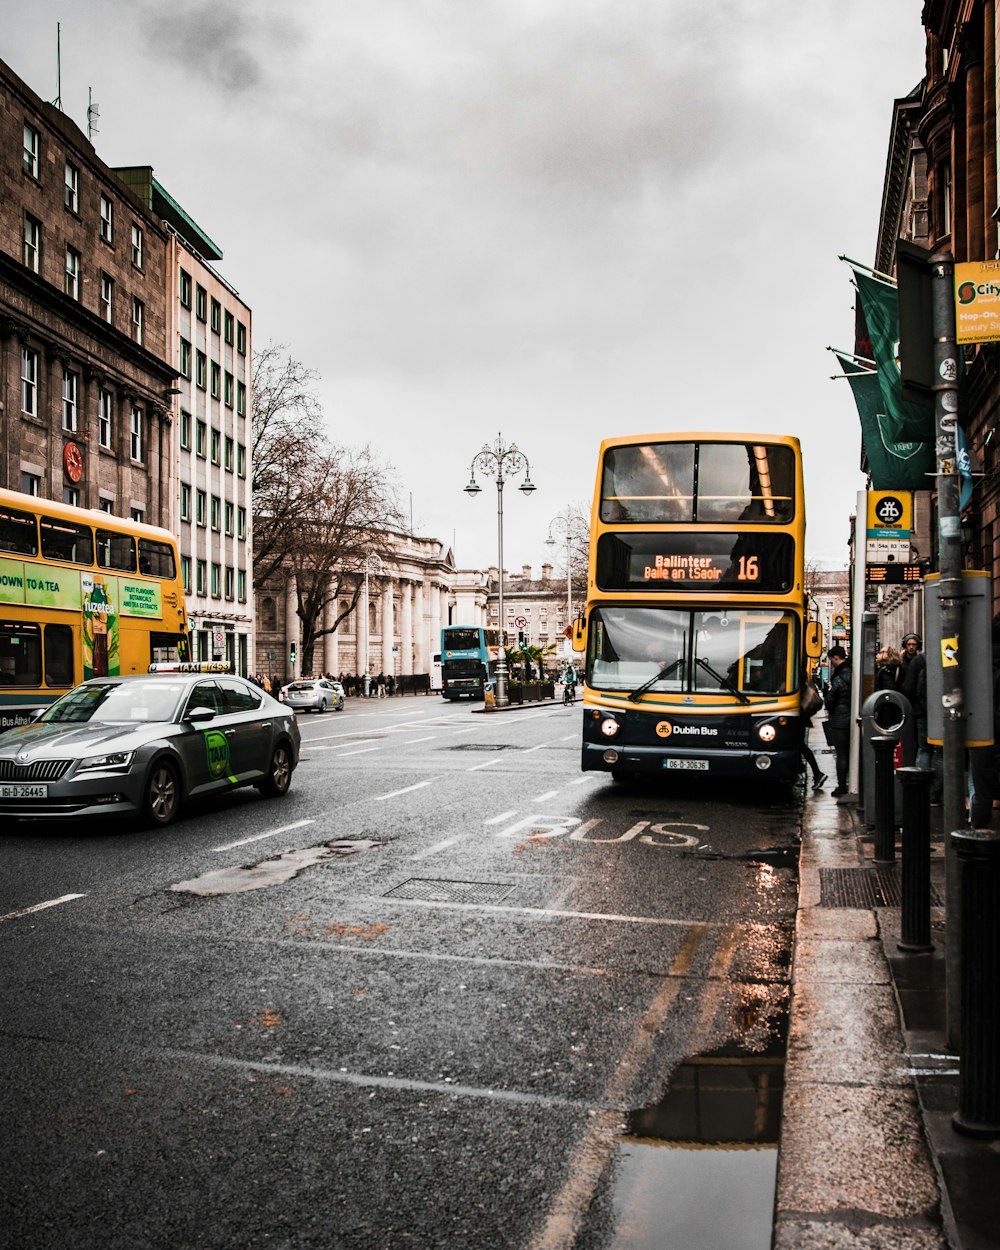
(373, 563)
(571, 523)
(501, 462)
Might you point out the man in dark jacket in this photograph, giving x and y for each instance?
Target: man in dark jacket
(914, 687)
(838, 706)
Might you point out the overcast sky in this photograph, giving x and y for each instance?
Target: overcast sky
(552, 219)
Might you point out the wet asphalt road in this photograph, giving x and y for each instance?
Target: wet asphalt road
(430, 1037)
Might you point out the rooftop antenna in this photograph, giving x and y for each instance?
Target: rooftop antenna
(93, 113)
(58, 100)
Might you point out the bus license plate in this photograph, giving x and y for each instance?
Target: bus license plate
(24, 792)
(691, 766)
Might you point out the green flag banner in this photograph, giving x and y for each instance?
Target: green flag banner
(908, 422)
(893, 465)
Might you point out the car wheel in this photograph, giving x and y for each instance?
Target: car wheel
(163, 794)
(279, 774)
(340, 705)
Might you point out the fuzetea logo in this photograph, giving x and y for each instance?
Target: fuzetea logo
(217, 746)
(968, 292)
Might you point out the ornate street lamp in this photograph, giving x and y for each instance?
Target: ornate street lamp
(502, 463)
(576, 534)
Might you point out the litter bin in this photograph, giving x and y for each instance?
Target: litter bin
(886, 714)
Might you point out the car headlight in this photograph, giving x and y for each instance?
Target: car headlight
(113, 759)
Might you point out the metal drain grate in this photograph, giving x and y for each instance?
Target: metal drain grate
(451, 891)
(864, 888)
(486, 746)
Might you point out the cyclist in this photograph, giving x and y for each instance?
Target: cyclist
(569, 684)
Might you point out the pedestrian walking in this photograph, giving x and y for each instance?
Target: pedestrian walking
(838, 707)
(888, 669)
(810, 703)
(380, 685)
(390, 684)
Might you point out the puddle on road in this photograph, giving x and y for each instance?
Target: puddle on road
(274, 871)
(697, 1171)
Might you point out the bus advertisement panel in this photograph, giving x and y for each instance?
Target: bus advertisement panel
(695, 624)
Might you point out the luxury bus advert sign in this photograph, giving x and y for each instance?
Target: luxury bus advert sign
(977, 301)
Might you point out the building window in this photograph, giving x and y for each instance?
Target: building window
(229, 453)
(136, 514)
(241, 460)
(31, 484)
(201, 370)
(135, 433)
(241, 338)
(201, 304)
(107, 297)
(241, 586)
(202, 569)
(216, 316)
(107, 219)
(72, 278)
(201, 439)
(72, 188)
(228, 392)
(241, 522)
(199, 503)
(32, 243)
(32, 149)
(216, 509)
(216, 447)
(230, 581)
(137, 246)
(138, 320)
(29, 381)
(216, 381)
(186, 573)
(229, 513)
(241, 398)
(70, 385)
(229, 322)
(185, 502)
(216, 581)
(106, 505)
(185, 429)
(184, 287)
(71, 495)
(184, 363)
(105, 419)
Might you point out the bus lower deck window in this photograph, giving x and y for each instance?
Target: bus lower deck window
(20, 654)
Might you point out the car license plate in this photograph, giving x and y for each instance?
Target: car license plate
(691, 766)
(24, 792)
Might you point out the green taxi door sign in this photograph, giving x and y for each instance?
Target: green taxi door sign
(217, 749)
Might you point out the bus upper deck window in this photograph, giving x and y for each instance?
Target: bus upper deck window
(115, 551)
(64, 541)
(18, 532)
(156, 559)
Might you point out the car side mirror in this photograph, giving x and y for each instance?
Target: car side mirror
(196, 715)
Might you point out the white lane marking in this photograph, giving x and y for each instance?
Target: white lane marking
(571, 738)
(471, 730)
(554, 913)
(543, 798)
(438, 846)
(351, 733)
(476, 767)
(259, 837)
(366, 751)
(498, 820)
(582, 781)
(541, 745)
(412, 742)
(52, 902)
(337, 746)
(406, 790)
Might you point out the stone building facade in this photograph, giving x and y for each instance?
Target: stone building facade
(85, 379)
(535, 609)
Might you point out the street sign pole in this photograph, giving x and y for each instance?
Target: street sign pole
(945, 388)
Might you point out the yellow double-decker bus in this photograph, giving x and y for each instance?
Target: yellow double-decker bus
(82, 594)
(696, 630)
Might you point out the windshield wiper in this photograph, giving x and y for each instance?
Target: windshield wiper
(660, 676)
(723, 681)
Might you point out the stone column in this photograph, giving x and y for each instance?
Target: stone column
(388, 628)
(435, 625)
(331, 641)
(405, 628)
(420, 661)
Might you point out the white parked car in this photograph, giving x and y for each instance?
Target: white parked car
(313, 694)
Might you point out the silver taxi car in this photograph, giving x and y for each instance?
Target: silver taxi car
(314, 694)
(142, 745)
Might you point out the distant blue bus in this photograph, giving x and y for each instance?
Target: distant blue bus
(468, 659)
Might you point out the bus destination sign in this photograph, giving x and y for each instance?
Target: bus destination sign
(753, 563)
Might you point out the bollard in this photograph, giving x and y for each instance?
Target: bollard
(885, 799)
(978, 854)
(915, 916)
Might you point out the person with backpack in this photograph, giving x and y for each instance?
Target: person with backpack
(838, 708)
(984, 762)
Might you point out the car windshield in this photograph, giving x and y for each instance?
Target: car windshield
(154, 700)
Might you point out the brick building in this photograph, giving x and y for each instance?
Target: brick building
(85, 381)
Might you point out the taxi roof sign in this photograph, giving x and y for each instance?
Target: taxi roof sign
(191, 666)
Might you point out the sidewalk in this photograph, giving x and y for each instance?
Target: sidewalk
(868, 1157)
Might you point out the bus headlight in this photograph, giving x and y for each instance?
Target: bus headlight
(610, 757)
(766, 733)
(763, 762)
(609, 727)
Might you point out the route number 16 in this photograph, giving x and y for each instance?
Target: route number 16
(749, 571)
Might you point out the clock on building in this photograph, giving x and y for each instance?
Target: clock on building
(73, 462)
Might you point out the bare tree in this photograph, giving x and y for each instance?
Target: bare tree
(570, 536)
(287, 450)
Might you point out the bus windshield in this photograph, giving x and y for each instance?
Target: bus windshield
(462, 639)
(706, 483)
(666, 650)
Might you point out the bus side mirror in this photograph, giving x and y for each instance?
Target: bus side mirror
(579, 634)
(814, 640)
